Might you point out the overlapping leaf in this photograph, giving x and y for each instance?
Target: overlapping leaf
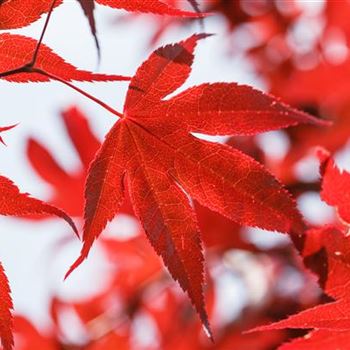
(151, 151)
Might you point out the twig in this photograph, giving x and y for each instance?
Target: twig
(35, 55)
(96, 100)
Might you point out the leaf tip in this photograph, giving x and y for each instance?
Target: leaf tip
(76, 264)
(208, 331)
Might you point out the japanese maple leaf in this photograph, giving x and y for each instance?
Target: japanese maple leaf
(5, 312)
(18, 13)
(17, 51)
(64, 184)
(151, 151)
(5, 128)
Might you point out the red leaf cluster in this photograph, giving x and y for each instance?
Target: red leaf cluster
(195, 199)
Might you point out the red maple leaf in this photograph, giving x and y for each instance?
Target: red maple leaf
(151, 151)
(17, 51)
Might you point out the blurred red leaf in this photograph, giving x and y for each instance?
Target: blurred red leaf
(67, 189)
(29, 338)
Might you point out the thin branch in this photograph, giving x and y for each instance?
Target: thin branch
(35, 55)
(82, 92)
